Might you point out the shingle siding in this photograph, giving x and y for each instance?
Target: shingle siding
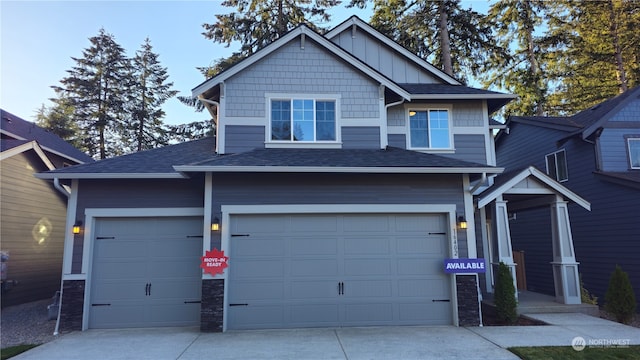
(630, 113)
(292, 70)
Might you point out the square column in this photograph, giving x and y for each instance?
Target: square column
(565, 268)
(503, 237)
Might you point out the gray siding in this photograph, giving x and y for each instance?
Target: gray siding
(292, 70)
(361, 137)
(398, 140)
(463, 113)
(613, 147)
(630, 113)
(264, 189)
(469, 148)
(241, 138)
(382, 58)
(26, 203)
(134, 194)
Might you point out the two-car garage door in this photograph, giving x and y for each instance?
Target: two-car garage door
(337, 270)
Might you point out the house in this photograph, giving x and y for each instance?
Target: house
(340, 181)
(595, 153)
(32, 211)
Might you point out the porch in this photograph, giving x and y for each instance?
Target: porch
(535, 303)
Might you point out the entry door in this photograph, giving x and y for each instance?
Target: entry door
(337, 270)
(146, 272)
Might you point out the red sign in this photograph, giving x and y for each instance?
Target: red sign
(214, 262)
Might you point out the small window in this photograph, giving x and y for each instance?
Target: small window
(557, 166)
(303, 120)
(429, 129)
(634, 152)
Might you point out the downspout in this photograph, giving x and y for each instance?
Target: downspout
(56, 184)
(480, 183)
(386, 111)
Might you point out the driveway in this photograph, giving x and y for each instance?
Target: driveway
(437, 342)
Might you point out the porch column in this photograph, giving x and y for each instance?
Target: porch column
(503, 237)
(565, 268)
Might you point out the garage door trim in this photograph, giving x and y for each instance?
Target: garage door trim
(447, 209)
(92, 214)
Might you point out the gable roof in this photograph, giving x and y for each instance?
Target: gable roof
(507, 181)
(300, 31)
(16, 128)
(356, 21)
(389, 160)
(586, 122)
(495, 100)
(15, 147)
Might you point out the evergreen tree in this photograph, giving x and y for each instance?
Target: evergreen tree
(522, 71)
(457, 40)
(148, 91)
(57, 119)
(95, 89)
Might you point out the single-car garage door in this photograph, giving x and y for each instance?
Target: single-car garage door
(146, 272)
(321, 270)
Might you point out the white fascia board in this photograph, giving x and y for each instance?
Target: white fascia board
(111, 176)
(42, 147)
(461, 96)
(324, 169)
(33, 145)
(302, 30)
(542, 177)
(392, 44)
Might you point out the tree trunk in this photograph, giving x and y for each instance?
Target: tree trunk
(445, 44)
(281, 25)
(613, 29)
(534, 67)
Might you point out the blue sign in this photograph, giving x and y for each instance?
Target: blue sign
(454, 266)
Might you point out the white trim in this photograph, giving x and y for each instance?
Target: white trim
(496, 193)
(360, 122)
(629, 140)
(48, 149)
(354, 20)
(245, 121)
(461, 96)
(303, 145)
(72, 204)
(91, 216)
(32, 145)
(397, 130)
(208, 216)
(291, 35)
(65, 175)
(69, 277)
(445, 209)
(555, 158)
(428, 108)
(472, 251)
(328, 169)
(469, 130)
(335, 98)
(221, 130)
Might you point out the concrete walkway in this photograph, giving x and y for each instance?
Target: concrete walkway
(420, 342)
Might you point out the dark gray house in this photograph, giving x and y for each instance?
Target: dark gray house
(595, 153)
(342, 177)
(32, 211)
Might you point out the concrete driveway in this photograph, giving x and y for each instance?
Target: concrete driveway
(439, 342)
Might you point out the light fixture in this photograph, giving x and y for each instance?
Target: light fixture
(215, 225)
(462, 223)
(412, 113)
(77, 227)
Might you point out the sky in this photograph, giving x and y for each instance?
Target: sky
(38, 39)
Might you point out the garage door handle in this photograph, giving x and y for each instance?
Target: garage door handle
(238, 304)
(236, 235)
(100, 304)
(438, 233)
(441, 300)
(193, 302)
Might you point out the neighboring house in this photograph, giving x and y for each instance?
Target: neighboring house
(595, 153)
(340, 180)
(32, 211)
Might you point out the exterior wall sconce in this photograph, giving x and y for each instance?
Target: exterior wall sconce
(76, 227)
(462, 223)
(215, 225)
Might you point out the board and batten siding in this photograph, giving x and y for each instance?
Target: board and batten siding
(136, 193)
(292, 70)
(613, 148)
(382, 58)
(319, 188)
(28, 204)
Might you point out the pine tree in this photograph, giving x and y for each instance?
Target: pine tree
(522, 71)
(457, 40)
(148, 91)
(94, 88)
(58, 119)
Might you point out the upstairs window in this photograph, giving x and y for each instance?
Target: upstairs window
(303, 120)
(557, 165)
(429, 129)
(633, 145)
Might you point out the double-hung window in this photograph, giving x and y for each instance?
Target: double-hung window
(430, 129)
(557, 165)
(303, 120)
(633, 145)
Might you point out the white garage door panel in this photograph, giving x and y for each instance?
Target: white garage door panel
(337, 270)
(144, 270)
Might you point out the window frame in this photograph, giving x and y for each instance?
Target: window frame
(315, 98)
(428, 108)
(556, 173)
(636, 140)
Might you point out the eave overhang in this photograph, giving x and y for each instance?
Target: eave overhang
(325, 169)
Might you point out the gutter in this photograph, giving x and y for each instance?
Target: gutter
(480, 183)
(61, 188)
